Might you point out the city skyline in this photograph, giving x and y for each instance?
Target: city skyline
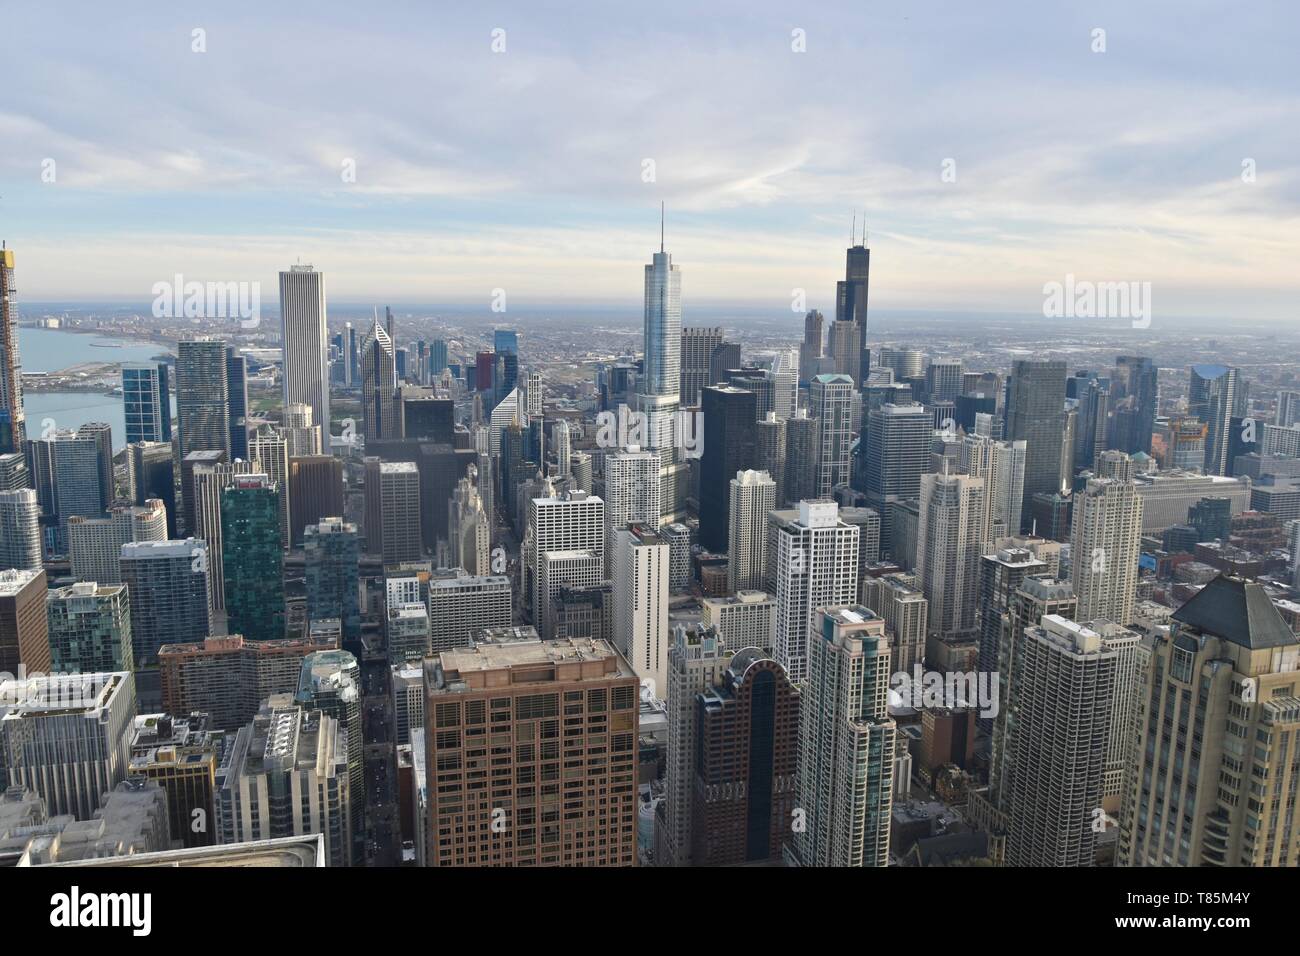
(1040, 163)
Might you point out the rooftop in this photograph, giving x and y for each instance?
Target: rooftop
(1238, 611)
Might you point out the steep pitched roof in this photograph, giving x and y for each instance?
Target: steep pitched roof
(1238, 611)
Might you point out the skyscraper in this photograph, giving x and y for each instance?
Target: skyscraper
(830, 401)
(846, 743)
(1063, 685)
(253, 563)
(146, 401)
(151, 473)
(658, 388)
(1134, 403)
(1105, 545)
(696, 659)
(203, 397)
(572, 522)
(13, 428)
(393, 510)
(1035, 403)
(304, 341)
(521, 686)
(331, 683)
(816, 564)
(95, 544)
(170, 592)
(332, 553)
(745, 763)
(20, 530)
(90, 628)
(851, 300)
(315, 492)
(1214, 397)
(209, 484)
(753, 495)
(229, 678)
(640, 571)
(1214, 736)
(67, 738)
(771, 452)
(801, 458)
(810, 350)
(697, 351)
(24, 626)
(378, 384)
(949, 539)
(287, 774)
(632, 490)
(730, 417)
(237, 392)
(73, 474)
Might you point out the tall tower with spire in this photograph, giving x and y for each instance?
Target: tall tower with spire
(13, 430)
(851, 299)
(658, 392)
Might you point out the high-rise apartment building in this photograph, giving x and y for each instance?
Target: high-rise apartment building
(20, 530)
(753, 495)
(1213, 755)
(640, 572)
(696, 660)
(530, 813)
(203, 411)
(89, 628)
(286, 774)
(898, 600)
(146, 402)
(815, 565)
(574, 521)
(169, 584)
(846, 743)
(1105, 547)
(950, 537)
(13, 428)
(95, 544)
(1063, 686)
(743, 619)
(632, 492)
(830, 401)
(331, 683)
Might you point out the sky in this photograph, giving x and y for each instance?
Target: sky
(990, 147)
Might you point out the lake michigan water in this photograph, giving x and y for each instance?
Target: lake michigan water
(49, 350)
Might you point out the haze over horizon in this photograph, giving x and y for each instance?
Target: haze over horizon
(525, 169)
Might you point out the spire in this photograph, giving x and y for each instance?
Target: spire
(661, 225)
(853, 229)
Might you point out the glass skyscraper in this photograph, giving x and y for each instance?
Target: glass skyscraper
(146, 401)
